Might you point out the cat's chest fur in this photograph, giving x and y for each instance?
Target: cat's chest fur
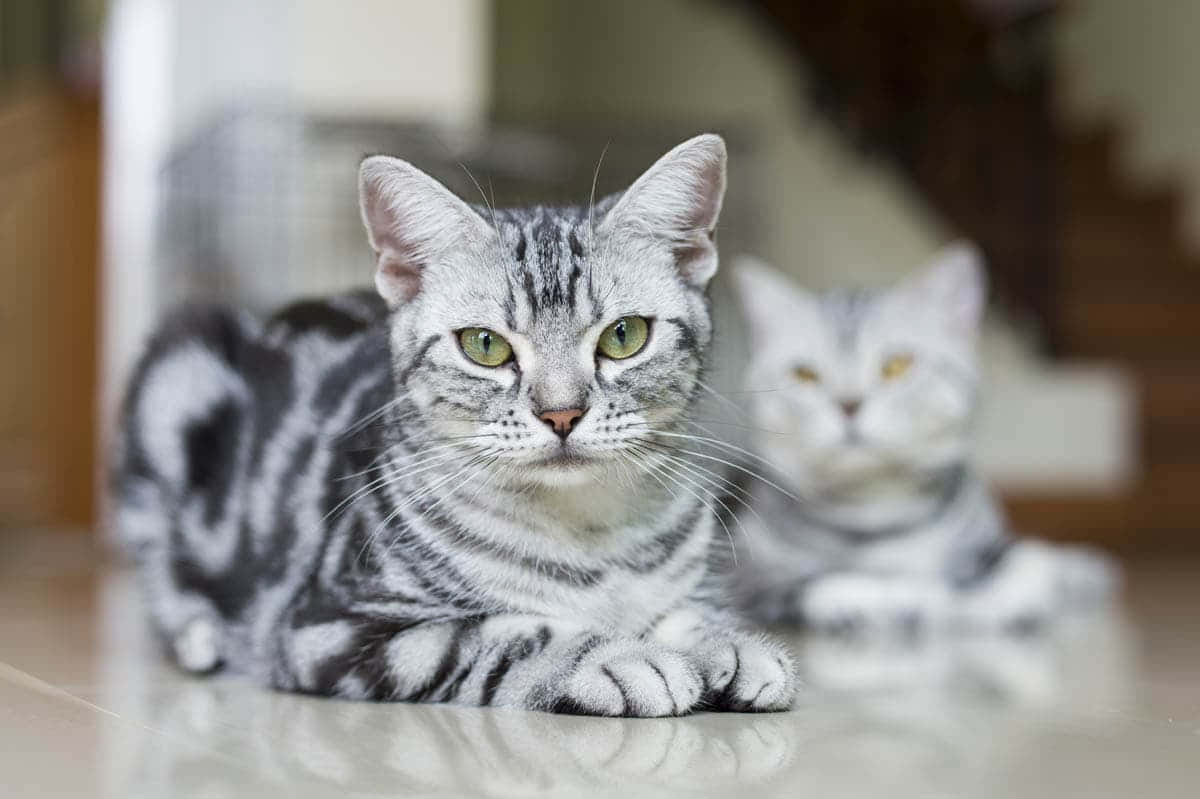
(531, 557)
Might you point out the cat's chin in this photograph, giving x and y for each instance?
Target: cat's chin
(564, 470)
(849, 467)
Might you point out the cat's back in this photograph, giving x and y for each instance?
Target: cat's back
(219, 392)
(339, 317)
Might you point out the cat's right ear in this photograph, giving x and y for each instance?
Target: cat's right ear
(411, 220)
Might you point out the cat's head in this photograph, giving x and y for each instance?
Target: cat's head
(549, 341)
(854, 385)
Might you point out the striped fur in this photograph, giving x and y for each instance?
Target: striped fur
(894, 531)
(337, 501)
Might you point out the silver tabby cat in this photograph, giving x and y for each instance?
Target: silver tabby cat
(450, 492)
(863, 400)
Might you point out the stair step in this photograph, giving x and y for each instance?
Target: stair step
(1142, 279)
(1095, 196)
(1155, 330)
(1088, 236)
(1098, 207)
(1157, 514)
(1170, 402)
(1094, 145)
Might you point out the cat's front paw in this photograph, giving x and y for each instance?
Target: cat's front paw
(747, 674)
(865, 603)
(630, 678)
(1021, 594)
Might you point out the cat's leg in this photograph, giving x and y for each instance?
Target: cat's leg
(873, 604)
(1030, 583)
(742, 670)
(1017, 593)
(844, 602)
(508, 661)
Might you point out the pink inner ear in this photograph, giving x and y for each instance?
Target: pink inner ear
(695, 261)
(709, 194)
(957, 293)
(397, 279)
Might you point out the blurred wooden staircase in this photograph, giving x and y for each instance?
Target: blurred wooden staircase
(960, 98)
(1126, 290)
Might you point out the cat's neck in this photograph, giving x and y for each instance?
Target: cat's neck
(594, 505)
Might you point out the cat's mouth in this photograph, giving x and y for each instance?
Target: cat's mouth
(566, 459)
(564, 468)
(852, 460)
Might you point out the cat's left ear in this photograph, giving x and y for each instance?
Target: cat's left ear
(954, 285)
(677, 201)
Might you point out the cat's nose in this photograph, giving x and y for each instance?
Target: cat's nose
(850, 406)
(562, 422)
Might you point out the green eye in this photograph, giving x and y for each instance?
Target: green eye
(623, 338)
(484, 346)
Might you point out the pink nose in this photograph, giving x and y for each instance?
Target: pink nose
(562, 422)
(850, 406)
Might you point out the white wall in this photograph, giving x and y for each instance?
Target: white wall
(223, 51)
(388, 58)
(406, 59)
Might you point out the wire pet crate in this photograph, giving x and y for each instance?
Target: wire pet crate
(262, 206)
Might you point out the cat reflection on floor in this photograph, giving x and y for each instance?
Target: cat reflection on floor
(862, 402)
(337, 746)
(937, 710)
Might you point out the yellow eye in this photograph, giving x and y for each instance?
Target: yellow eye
(806, 375)
(484, 346)
(623, 338)
(896, 366)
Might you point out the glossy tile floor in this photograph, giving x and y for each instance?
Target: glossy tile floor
(1109, 706)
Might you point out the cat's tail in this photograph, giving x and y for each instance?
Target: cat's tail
(178, 424)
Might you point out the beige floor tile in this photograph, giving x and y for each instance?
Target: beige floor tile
(1108, 706)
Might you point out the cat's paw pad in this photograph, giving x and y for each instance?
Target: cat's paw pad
(197, 646)
(854, 603)
(631, 678)
(747, 674)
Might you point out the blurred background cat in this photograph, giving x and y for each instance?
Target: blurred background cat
(863, 401)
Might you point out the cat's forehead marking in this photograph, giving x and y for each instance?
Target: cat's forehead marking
(546, 264)
(845, 311)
